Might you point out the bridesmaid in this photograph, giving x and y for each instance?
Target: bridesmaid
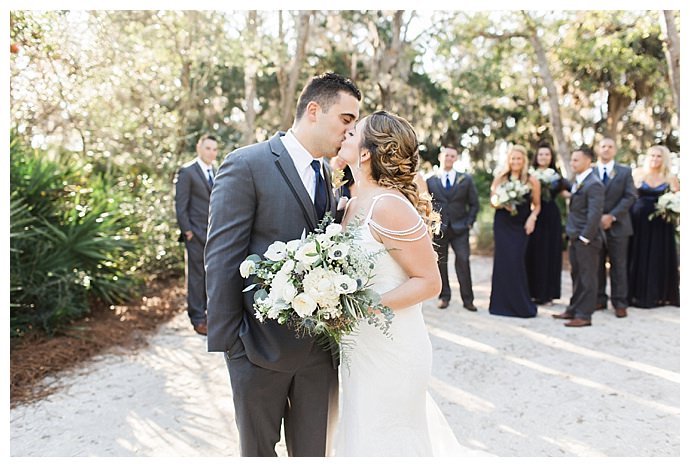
(653, 275)
(509, 290)
(544, 259)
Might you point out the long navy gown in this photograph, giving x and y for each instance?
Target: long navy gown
(509, 290)
(544, 257)
(653, 276)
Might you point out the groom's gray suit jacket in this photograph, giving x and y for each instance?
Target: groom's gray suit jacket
(257, 198)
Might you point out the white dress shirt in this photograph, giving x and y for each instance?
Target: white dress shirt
(205, 168)
(302, 160)
(609, 168)
(447, 175)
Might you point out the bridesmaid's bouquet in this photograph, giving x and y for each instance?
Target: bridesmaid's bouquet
(509, 195)
(318, 285)
(668, 208)
(547, 177)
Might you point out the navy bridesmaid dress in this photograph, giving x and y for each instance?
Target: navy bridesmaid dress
(509, 289)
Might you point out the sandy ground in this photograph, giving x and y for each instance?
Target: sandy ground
(508, 386)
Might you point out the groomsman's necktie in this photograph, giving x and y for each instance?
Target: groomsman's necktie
(447, 182)
(320, 193)
(210, 177)
(605, 178)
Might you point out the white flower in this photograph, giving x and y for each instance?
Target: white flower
(287, 267)
(321, 286)
(292, 245)
(345, 284)
(277, 251)
(307, 253)
(333, 229)
(258, 315)
(289, 292)
(304, 305)
(339, 251)
(247, 268)
(324, 240)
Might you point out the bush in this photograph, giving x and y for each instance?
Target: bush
(68, 242)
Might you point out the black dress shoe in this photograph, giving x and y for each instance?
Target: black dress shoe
(442, 303)
(469, 306)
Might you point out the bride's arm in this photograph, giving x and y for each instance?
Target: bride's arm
(406, 239)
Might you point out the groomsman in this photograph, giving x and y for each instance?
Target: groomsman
(582, 229)
(620, 195)
(192, 192)
(454, 195)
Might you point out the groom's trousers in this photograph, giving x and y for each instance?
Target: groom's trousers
(304, 399)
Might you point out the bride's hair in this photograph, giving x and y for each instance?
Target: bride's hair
(392, 143)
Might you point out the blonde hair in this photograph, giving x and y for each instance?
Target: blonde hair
(392, 143)
(665, 158)
(504, 174)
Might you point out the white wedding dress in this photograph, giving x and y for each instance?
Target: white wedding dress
(385, 409)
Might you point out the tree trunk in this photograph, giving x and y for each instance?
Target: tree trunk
(672, 40)
(552, 92)
(289, 85)
(617, 105)
(251, 67)
(386, 59)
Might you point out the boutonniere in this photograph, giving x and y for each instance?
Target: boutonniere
(337, 179)
(613, 173)
(461, 177)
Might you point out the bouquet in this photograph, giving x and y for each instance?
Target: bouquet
(546, 178)
(509, 195)
(667, 207)
(318, 285)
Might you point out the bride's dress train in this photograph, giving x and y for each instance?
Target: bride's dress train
(385, 409)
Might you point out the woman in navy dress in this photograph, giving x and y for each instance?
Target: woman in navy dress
(509, 289)
(544, 259)
(653, 275)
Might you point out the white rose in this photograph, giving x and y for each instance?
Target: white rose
(339, 251)
(307, 254)
(333, 229)
(247, 268)
(304, 305)
(277, 251)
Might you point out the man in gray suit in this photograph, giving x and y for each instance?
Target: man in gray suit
(582, 228)
(454, 195)
(276, 190)
(620, 196)
(192, 191)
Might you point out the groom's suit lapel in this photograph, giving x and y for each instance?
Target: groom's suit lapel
(197, 169)
(287, 169)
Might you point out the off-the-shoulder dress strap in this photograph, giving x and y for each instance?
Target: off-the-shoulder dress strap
(396, 234)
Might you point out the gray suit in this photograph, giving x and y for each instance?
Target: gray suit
(192, 192)
(458, 206)
(620, 196)
(258, 198)
(584, 216)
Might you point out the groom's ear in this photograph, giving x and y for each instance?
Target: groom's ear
(312, 109)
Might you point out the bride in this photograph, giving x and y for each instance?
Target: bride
(385, 409)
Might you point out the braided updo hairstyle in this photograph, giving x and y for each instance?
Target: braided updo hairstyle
(392, 143)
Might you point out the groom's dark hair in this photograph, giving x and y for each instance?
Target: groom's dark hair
(323, 90)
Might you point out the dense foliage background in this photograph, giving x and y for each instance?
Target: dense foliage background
(105, 105)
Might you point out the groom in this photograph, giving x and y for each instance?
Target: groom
(275, 190)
